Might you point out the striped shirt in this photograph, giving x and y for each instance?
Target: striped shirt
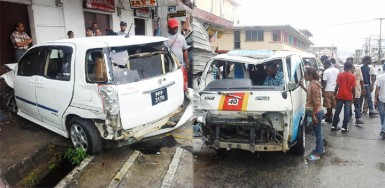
(17, 37)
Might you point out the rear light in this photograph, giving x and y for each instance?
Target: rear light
(110, 99)
(184, 79)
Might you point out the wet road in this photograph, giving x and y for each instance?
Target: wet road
(353, 159)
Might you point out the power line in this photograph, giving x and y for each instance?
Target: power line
(343, 24)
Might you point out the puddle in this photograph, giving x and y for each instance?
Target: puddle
(153, 146)
(381, 166)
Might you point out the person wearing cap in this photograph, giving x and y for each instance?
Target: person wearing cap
(123, 29)
(177, 43)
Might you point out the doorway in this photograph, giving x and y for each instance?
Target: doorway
(10, 14)
(140, 27)
(103, 21)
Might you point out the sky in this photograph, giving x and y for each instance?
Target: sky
(341, 23)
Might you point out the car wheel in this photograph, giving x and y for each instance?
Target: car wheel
(11, 105)
(84, 135)
(299, 147)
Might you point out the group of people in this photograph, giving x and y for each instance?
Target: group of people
(339, 90)
(94, 30)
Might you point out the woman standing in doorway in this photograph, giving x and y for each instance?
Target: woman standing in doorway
(314, 104)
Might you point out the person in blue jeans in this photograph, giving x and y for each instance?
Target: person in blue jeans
(314, 104)
(369, 79)
(345, 88)
(380, 101)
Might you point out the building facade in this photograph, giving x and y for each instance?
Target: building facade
(282, 37)
(329, 51)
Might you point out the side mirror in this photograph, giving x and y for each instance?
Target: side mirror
(291, 85)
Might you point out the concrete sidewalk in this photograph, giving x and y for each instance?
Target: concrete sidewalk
(21, 146)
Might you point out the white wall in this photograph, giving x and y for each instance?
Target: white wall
(74, 17)
(51, 22)
(48, 21)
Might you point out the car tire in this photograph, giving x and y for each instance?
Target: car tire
(222, 152)
(299, 147)
(11, 105)
(85, 135)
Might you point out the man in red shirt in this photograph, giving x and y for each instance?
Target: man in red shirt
(346, 83)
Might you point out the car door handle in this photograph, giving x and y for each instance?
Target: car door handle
(39, 84)
(159, 88)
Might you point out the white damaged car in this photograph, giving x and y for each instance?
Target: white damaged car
(239, 109)
(101, 88)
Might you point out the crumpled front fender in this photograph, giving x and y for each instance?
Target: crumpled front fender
(9, 76)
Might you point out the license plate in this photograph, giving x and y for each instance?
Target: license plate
(159, 96)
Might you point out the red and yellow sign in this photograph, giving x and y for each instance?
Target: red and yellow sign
(234, 102)
(106, 5)
(143, 3)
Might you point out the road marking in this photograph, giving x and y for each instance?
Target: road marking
(170, 175)
(75, 173)
(123, 171)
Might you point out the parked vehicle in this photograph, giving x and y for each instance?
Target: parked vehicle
(236, 110)
(309, 60)
(100, 88)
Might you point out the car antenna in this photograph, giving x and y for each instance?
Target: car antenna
(128, 33)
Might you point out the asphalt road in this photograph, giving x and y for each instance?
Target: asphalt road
(353, 159)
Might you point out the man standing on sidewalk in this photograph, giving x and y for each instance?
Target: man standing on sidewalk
(369, 79)
(379, 100)
(358, 92)
(177, 43)
(20, 41)
(346, 83)
(328, 90)
(123, 29)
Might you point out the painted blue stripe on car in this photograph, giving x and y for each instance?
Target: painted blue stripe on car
(47, 108)
(25, 100)
(35, 104)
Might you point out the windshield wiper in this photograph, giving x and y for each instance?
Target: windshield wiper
(146, 54)
(221, 93)
(229, 94)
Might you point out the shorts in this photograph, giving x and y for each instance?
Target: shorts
(329, 99)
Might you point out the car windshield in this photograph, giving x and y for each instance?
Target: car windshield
(231, 75)
(127, 64)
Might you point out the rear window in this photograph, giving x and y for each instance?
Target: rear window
(250, 76)
(128, 64)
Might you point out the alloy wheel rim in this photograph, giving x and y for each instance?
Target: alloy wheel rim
(78, 137)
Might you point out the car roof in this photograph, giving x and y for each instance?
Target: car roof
(245, 57)
(108, 41)
(306, 55)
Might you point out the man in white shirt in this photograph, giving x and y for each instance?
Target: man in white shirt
(123, 29)
(379, 100)
(328, 90)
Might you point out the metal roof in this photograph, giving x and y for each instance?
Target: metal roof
(103, 41)
(251, 60)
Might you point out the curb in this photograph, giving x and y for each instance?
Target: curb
(170, 175)
(123, 171)
(69, 180)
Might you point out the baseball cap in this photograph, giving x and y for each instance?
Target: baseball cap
(123, 23)
(173, 23)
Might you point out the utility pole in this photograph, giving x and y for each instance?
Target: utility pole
(379, 41)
